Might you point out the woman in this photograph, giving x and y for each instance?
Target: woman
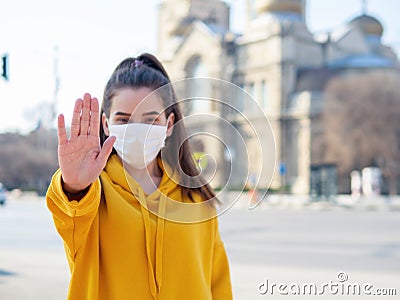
(113, 201)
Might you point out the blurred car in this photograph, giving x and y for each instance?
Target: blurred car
(2, 194)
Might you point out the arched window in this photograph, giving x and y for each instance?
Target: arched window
(198, 88)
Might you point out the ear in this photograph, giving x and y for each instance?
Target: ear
(105, 124)
(170, 124)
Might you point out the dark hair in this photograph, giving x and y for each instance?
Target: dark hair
(147, 71)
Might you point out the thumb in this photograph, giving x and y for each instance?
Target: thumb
(106, 149)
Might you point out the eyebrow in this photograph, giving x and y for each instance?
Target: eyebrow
(120, 113)
(151, 113)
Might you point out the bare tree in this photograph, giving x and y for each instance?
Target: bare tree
(28, 161)
(361, 121)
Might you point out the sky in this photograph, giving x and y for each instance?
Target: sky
(90, 37)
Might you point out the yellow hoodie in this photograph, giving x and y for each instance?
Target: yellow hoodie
(118, 250)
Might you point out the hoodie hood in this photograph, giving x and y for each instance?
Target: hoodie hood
(177, 207)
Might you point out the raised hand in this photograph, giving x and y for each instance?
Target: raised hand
(81, 157)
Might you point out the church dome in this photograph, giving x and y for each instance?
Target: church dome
(291, 6)
(368, 25)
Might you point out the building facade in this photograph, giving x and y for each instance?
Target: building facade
(279, 62)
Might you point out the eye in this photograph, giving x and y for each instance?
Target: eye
(122, 120)
(150, 120)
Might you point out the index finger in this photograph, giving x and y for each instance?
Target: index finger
(94, 125)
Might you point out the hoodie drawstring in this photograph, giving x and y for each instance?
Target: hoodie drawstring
(160, 237)
(155, 281)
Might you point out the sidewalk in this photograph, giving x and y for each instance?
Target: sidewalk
(33, 275)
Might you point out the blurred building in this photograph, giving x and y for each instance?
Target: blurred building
(277, 60)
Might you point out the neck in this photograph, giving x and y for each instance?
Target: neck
(148, 178)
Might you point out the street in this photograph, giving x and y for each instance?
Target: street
(265, 246)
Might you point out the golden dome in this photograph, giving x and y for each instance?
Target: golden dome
(295, 6)
(368, 25)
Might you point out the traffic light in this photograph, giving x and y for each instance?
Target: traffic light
(5, 66)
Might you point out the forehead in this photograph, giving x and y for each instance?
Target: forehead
(136, 100)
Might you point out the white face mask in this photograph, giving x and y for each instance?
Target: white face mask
(138, 144)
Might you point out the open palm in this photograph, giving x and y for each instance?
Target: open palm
(81, 157)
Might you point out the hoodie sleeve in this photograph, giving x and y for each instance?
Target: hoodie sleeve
(220, 281)
(72, 219)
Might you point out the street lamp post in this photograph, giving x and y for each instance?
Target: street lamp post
(5, 73)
